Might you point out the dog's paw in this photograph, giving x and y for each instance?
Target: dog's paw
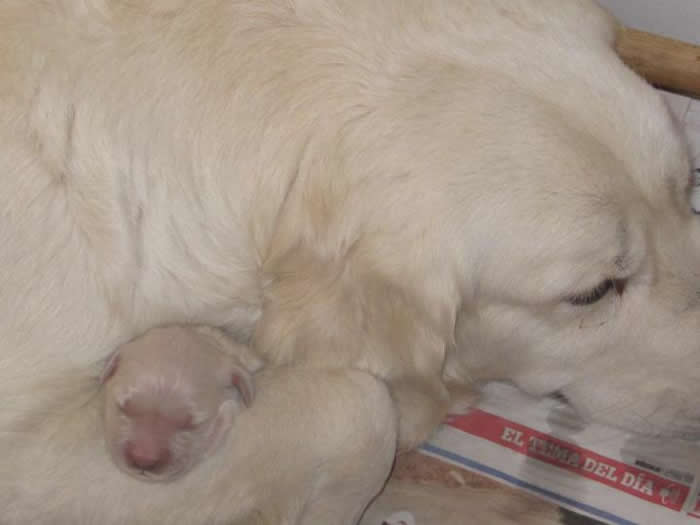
(422, 406)
(462, 399)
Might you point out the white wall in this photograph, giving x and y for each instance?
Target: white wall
(673, 18)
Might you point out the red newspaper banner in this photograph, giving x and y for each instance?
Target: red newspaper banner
(573, 458)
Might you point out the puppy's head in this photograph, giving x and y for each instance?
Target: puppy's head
(169, 399)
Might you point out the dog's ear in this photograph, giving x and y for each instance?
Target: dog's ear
(344, 310)
(110, 367)
(344, 313)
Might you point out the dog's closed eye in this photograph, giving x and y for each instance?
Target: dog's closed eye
(596, 294)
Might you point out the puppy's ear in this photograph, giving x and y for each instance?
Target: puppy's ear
(110, 367)
(242, 380)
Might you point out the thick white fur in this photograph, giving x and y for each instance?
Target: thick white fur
(409, 187)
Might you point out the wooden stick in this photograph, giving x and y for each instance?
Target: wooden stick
(664, 62)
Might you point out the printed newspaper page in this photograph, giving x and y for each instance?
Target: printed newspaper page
(541, 447)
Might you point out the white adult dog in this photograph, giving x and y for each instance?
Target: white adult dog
(411, 188)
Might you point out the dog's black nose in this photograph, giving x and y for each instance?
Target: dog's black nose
(559, 397)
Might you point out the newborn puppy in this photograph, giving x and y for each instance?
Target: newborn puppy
(170, 396)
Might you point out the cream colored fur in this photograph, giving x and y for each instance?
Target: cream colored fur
(412, 188)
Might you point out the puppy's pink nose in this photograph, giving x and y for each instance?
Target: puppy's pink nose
(145, 455)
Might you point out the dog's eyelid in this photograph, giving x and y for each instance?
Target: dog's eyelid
(599, 292)
(594, 295)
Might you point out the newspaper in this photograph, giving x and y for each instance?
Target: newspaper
(541, 447)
